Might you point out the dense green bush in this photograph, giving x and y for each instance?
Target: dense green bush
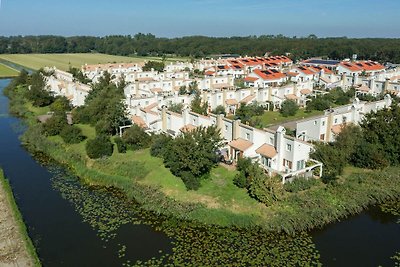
(55, 124)
(103, 127)
(99, 147)
(289, 108)
(72, 134)
(61, 105)
(300, 184)
(37, 93)
(190, 181)
(121, 145)
(136, 138)
(160, 143)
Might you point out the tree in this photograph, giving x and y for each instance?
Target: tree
(289, 108)
(72, 134)
(136, 138)
(176, 107)
(197, 106)
(78, 75)
(219, 110)
(159, 146)
(99, 147)
(192, 155)
(61, 105)
(334, 160)
(121, 145)
(104, 103)
(55, 124)
(155, 65)
(182, 90)
(37, 93)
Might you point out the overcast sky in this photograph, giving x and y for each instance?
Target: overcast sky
(174, 18)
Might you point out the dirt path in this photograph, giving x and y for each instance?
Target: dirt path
(13, 249)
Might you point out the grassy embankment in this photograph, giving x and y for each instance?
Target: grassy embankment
(218, 201)
(7, 72)
(30, 249)
(275, 117)
(64, 61)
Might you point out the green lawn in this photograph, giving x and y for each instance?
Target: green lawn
(274, 117)
(6, 72)
(63, 61)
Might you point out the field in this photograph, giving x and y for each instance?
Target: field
(6, 72)
(63, 61)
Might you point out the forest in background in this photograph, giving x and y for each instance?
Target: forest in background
(378, 49)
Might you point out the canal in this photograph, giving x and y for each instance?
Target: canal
(68, 221)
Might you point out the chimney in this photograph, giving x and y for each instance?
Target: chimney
(164, 118)
(236, 129)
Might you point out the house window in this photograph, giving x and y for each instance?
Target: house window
(322, 137)
(266, 162)
(247, 136)
(323, 123)
(335, 121)
(271, 140)
(300, 164)
(288, 147)
(287, 163)
(226, 128)
(315, 122)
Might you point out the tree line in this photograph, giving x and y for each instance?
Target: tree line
(379, 49)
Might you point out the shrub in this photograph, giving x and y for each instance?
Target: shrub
(72, 134)
(136, 138)
(121, 146)
(190, 181)
(60, 105)
(103, 127)
(159, 145)
(99, 147)
(289, 108)
(300, 184)
(55, 124)
(240, 180)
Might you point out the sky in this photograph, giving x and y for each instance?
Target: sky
(175, 18)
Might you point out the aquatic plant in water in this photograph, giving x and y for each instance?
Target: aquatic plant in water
(106, 210)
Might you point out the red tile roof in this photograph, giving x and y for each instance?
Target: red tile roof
(269, 75)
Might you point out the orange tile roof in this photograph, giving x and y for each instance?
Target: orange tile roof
(156, 90)
(269, 75)
(247, 99)
(350, 66)
(305, 70)
(188, 128)
(240, 144)
(267, 151)
(139, 121)
(291, 97)
(337, 129)
(305, 91)
(231, 102)
(292, 73)
(209, 73)
(250, 79)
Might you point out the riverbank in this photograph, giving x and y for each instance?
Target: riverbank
(16, 248)
(145, 179)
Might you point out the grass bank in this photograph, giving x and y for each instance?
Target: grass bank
(218, 201)
(7, 72)
(28, 245)
(64, 61)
